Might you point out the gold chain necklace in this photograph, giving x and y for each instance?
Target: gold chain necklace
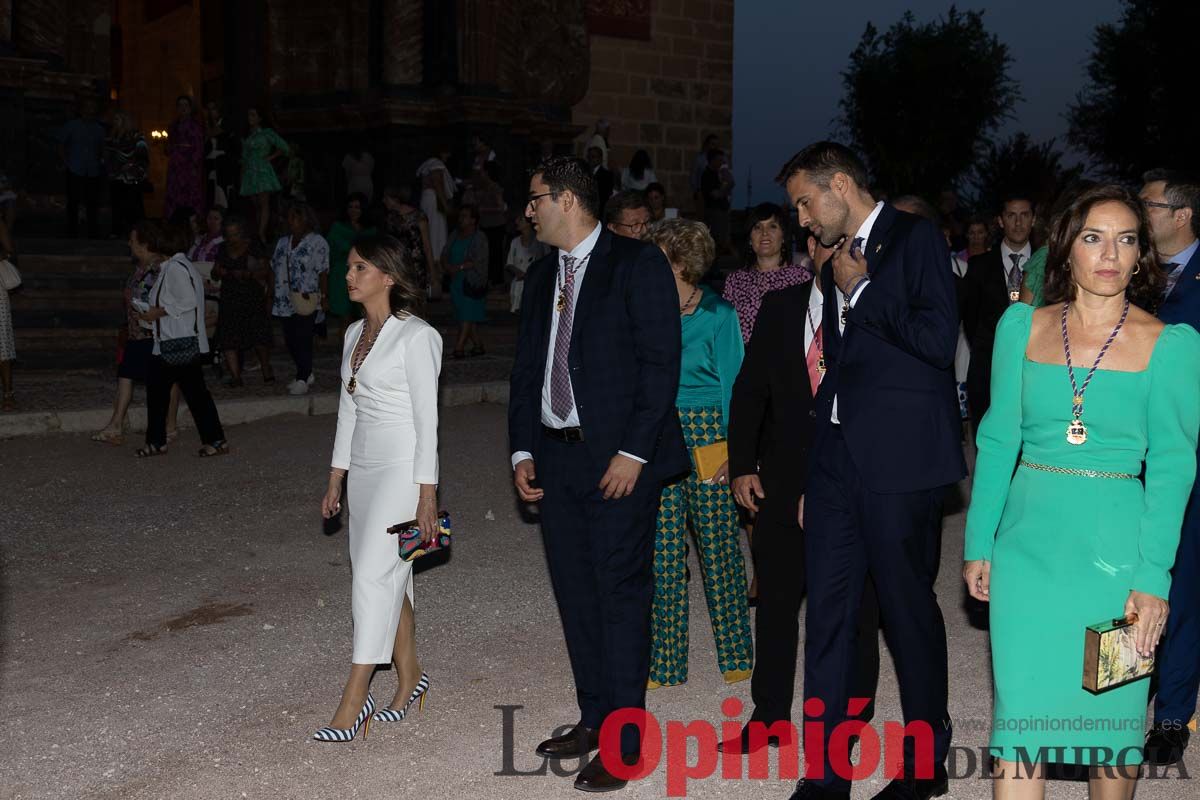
(691, 297)
(361, 353)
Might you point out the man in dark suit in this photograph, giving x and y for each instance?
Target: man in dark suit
(991, 285)
(771, 417)
(602, 174)
(885, 448)
(594, 433)
(1173, 208)
(627, 213)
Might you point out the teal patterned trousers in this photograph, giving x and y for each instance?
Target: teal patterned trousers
(708, 510)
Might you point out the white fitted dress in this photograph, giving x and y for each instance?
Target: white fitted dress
(387, 439)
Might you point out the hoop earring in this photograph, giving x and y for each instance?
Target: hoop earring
(1137, 269)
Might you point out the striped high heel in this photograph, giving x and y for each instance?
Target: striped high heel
(328, 734)
(417, 696)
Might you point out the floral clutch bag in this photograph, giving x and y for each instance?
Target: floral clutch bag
(1110, 656)
(411, 545)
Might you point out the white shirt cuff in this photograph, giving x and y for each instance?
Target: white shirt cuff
(631, 455)
(520, 456)
(858, 291)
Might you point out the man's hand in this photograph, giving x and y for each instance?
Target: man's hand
(848, 266)
(523, 477)
(747, 491)
(621, 477)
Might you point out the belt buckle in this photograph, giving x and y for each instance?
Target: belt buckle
(573, 435)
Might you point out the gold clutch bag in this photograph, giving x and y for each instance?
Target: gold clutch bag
(1110, 656)
(709, 458)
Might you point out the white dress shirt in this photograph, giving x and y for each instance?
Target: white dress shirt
(581, 253)
(864, 233)
(1006, 254)
(816, 308)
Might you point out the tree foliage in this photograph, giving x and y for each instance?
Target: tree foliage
(1019, 165)
(1139, 109)
(922, 100)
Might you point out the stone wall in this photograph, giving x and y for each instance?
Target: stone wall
(666, 94)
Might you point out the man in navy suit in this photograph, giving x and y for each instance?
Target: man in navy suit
(885, 448)
(1172, 205)
(594, 433)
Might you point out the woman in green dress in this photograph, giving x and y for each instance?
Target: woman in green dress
(465, 260)
(342, 232)
(1073, 536)
(712, 355)
(259, 181)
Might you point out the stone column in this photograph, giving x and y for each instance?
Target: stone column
(41, 27)
(403, 53)
(5, 23)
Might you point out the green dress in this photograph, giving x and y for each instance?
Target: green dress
(341, 239)
(1065, 550)
(1035, 275)
(258, 174)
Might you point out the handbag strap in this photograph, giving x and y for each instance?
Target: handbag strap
(158, 296)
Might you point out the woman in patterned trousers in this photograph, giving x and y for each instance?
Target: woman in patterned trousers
(712, 355)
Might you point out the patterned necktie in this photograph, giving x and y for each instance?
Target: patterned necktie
(814, 360)
(561, 398)
(1173, 272)
(1014, 277)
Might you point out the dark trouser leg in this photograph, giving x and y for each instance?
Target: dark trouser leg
(199, 402)
(1179, 653)
(495, 239)
(298, 333)
(903, 533)
(836, 562)
(74, 194)
(91, 201)
(158, 398)
(778, 548)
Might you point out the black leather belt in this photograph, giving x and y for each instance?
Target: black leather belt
(564, 434)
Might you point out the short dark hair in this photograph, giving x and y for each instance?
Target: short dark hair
(625, 200)
(715, 152)
(574, 175)
(1181, 191)
(162, 238)
(1146, 285)
(656, 187)
(920, 206)
(363, 203)
(1014, 196)
(307, 213)
(822, 160)
(469, 208)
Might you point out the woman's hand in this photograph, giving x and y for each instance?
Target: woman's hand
(427, 517)
(978, 576)
(1149, 615)
(721, 476)
(151, 314)
(331, 504)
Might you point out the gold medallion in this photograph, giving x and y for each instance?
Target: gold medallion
(1014, 297)
(821, 364)
(352, 385)
(1076, 432)
(562, 302)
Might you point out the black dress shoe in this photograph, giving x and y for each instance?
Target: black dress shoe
(915, 788)
(595, 777)
(579, 741)
(1165, 744)
(807, 790)
(745, 744)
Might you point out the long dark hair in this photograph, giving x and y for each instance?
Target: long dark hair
(639, 164)
(761, 212)
(1147, 282)
(363, 203)
(387, 255)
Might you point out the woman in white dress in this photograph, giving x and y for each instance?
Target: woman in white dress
(387, 442)
(437, 189)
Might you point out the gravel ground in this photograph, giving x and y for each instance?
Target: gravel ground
(177, 628)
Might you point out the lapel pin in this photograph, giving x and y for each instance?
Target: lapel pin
(878, 247)
(1198, 277)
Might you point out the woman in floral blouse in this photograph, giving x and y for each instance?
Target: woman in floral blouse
(301, 268)
(768, 266)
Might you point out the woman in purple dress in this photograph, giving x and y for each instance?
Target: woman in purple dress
(185, 161)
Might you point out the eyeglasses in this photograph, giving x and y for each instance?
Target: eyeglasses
(1156, 204)
(634, 227)
(534, 198)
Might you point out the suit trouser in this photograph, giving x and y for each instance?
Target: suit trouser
(600, 554)
(87, 189)
(853, 532)
(1179, 653)
(778, 547)
(298, 332)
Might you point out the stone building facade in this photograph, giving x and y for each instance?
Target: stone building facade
(404, 77)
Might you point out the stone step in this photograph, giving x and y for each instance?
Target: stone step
(32, 264)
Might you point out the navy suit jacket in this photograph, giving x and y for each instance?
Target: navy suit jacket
(1183, 303)
(893, 369)
(624, 357)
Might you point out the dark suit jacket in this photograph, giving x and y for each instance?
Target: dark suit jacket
(893, 371)
(985, 299)
(1183, 303)
(771, 412)
(624, 357)
(604, 184)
